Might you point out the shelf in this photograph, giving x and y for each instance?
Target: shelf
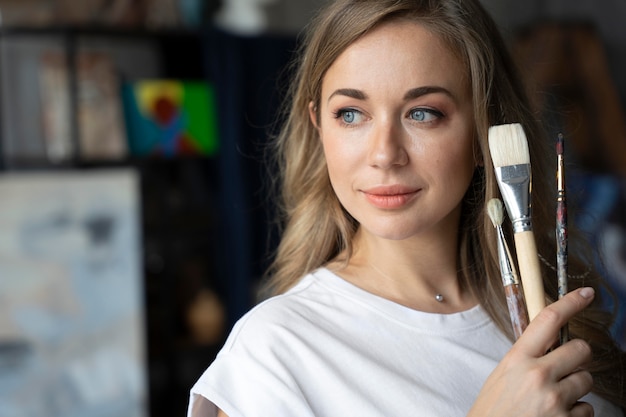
(180, 213)
(203, 218)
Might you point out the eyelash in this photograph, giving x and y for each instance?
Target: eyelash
(432, 112)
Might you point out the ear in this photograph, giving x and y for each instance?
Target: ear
(313, 114)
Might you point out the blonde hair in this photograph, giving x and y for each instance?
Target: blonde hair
(316, 228)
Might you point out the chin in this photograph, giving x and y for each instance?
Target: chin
(390, 233)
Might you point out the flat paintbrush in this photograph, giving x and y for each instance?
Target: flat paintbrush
(512, 290)
(511, 159)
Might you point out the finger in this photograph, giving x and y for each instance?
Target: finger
(542, 332)
(582, 409)
(567, 358)
(575, 386)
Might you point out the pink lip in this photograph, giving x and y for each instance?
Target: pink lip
(390, 197)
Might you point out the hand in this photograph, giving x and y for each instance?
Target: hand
(530, 382)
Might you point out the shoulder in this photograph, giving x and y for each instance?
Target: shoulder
(257, 367)
(278, 316)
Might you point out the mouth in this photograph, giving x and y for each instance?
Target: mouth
(390, 197)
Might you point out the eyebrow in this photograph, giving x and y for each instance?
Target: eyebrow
(422, 91)
(349, 92)
(410, 95)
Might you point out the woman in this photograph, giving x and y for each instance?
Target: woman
(389, 297)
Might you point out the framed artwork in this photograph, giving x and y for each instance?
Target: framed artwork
(170, 118)
(71, 297)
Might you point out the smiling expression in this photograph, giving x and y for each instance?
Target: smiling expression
(396, 125)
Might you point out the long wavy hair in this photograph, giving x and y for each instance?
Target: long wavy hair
(315, 227)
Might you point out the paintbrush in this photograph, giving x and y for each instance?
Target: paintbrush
(561, 230)
(511, 159)
(513, 292)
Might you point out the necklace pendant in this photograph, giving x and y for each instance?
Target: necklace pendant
(439, 298)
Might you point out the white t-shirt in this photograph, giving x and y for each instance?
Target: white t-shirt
(326, 348)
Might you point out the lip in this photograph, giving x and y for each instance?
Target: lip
(390, 197)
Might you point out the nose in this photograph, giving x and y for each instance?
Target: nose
(387, 147)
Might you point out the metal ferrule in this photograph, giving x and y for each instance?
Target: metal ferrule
(507, 269)
(514, 182)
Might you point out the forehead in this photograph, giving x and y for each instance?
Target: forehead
(399, 52)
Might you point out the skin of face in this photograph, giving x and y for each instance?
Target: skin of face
(396, 125)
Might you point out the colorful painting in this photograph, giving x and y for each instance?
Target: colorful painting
(71, 298)
(170, 118)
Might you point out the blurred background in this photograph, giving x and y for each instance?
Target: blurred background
(134, 219)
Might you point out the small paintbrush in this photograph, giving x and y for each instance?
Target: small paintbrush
(514, 295)
(511, 159)
(561, 230)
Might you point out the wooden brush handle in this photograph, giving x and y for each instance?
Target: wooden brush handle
(530, 272)
(517, 308)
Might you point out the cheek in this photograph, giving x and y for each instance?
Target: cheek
(462, 158)
(336, 161)
(460, 144)
(460, 170)
(338, 151)
(343, 167)
(452, 163)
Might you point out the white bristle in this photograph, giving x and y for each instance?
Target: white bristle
(508, 145)
(495, 211)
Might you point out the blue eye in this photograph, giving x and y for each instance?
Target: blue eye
(418, 115)
(424, 115)
(348, 116)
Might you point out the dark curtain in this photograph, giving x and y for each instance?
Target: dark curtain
(249, 74)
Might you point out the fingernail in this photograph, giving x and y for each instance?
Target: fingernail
(586, 292)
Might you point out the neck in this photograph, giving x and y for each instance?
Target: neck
(409, 272)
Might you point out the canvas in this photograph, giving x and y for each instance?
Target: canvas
(170, 118)
(71, 299)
